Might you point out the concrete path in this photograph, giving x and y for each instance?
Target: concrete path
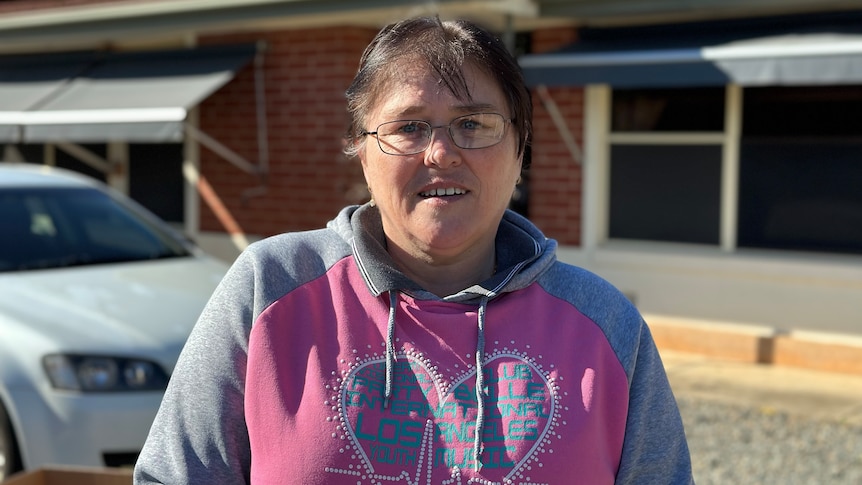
(768, 388)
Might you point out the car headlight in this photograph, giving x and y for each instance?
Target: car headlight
(93, 373)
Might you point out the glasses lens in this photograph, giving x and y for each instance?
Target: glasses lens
(403, 137)
(479, 130)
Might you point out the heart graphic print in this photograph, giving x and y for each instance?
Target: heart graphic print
(427, 433)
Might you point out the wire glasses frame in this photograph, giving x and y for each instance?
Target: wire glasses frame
(470, 132)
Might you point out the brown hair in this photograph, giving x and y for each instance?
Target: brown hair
(444, 47)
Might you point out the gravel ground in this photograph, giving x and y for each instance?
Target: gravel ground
(747, 445)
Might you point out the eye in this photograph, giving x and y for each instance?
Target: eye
(410, 128)
(469, 124)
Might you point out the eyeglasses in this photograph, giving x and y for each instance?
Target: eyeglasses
(408, 137)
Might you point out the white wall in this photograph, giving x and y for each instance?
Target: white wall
(791, 292)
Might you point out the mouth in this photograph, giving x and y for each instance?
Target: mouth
(442, 192)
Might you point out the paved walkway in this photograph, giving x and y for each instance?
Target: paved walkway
(795, 391)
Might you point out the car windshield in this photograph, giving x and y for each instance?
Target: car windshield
(43, 228)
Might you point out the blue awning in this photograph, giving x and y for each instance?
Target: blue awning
(778, 51)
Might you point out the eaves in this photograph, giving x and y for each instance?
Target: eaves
(116, 22)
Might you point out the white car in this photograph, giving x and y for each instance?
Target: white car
(97, 298)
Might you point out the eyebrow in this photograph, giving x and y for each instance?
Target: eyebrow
(463, 109)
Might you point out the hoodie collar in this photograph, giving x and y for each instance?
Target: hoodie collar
(523, 254)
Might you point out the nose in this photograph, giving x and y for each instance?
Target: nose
(442, 151)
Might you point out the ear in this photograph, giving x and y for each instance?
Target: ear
(366, 171)
(520, 169)
(361, 152)
(365, 175)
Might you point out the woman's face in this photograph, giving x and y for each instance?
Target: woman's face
(419, 218)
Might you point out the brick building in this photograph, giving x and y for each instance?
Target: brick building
(702, 159)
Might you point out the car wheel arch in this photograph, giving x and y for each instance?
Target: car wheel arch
(9, 443)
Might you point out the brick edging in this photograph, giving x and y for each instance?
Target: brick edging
(758, 344)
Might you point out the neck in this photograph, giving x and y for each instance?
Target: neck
(444, 277)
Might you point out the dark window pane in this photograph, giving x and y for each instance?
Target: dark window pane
(665, 110)
(832, 111)
(32, 153)
(70, 162)
(801, 195)
(156, 178)
(665, 193)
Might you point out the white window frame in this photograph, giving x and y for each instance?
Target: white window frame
(597, 174)
(700, 282)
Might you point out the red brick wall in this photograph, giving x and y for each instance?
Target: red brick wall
(555, 178)
(545, 40)
(306, 74)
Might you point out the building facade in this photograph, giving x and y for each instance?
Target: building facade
(707, 160)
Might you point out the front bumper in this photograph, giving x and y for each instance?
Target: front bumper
(86, 429)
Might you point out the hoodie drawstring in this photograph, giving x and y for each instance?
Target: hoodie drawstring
(390, 348)
(478, 446)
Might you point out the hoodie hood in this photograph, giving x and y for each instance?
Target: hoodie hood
(523, 254)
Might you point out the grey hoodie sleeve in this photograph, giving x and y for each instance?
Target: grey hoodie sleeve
(199, 433)
(655, 448)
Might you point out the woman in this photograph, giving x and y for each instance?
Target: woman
(429, 336)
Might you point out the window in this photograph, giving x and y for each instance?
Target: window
(668, 110)
(48, 227)
(665, 193)
(156, 178)
(798, 157)
(665, 165)
(801, 169)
